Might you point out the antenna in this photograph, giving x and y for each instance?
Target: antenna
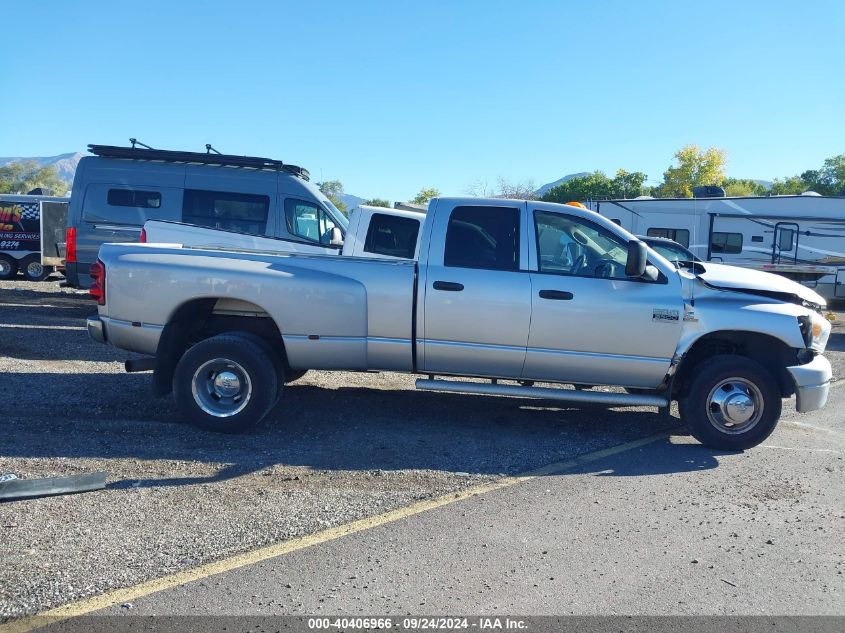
(135, 141)
(209, 149)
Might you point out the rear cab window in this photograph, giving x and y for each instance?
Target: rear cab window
(392, 236)
(483, 237)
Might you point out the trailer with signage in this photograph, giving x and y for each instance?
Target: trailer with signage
(20, 236)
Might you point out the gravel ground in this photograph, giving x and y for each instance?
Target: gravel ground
(339, 447)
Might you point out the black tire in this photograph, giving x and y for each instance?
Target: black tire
(278, 362)
(293, 375)
(226, 383)
(725, 386)
(8, 267)
(33, 270)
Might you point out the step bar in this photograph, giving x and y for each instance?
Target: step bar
(546, 393)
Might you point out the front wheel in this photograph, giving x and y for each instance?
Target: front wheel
(732, 403)
(226, 383)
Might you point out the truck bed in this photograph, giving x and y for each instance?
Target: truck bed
(332, 312)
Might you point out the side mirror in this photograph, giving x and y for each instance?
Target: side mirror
(637, 259)
(336, 238)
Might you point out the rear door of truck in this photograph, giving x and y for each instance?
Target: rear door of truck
(475, 289)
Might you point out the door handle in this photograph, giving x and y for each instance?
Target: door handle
(559, 295)
(451, 286)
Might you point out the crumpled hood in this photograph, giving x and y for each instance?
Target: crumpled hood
(756, 282)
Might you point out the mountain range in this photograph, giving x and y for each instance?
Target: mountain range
(65, 164)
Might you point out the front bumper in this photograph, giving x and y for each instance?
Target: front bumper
(812, 384)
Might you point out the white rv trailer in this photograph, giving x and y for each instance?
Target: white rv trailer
(800, 237)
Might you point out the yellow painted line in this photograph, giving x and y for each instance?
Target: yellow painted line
(129, 594)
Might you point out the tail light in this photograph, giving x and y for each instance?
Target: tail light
(70, 245)
(98, 282)
(143, 239)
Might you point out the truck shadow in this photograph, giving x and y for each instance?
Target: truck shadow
(112, 416)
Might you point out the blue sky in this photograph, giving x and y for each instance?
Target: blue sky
(389, 97)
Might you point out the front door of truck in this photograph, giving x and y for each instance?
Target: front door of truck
(477, 301)
(589, 322)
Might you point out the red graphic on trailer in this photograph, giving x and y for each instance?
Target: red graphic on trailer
(20, 226)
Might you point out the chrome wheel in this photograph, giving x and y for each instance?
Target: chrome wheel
(734, 406)
(5, 268)
(221, 387)
(34, 269)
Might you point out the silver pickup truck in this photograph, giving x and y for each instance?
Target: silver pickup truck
(503, 294)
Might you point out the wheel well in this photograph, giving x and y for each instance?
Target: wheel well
(197, 320)
(772, 353)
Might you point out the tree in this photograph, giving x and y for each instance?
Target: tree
(597, 186)
(377, 202)
(743, 187)
(693, 167)
(24, 176)
(523, 190)
(591, 186)
(790, 186)
(833, 171)
(628, 184)
(425, 195)
(828, 181)
(333, 190)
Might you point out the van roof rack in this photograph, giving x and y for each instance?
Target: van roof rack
(175, 156)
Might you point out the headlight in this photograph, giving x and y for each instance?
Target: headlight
(815, 329)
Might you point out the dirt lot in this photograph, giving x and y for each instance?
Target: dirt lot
(338, 447)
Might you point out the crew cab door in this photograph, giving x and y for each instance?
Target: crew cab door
(590, 323)
(477, 301)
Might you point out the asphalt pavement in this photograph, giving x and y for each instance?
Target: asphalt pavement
(666, 528)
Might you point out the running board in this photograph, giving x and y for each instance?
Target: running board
(571, 395)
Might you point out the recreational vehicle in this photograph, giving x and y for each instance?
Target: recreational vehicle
(800, 237)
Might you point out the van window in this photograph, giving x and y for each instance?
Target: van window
(681, 236)
(134, 198)
(727, 243)
(246, 213)
(392, 235)
(308, 221)
(483, 237)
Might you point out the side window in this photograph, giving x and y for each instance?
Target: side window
(134, 198)
(568, 245)
(483, 237)
(681, 236)
(246, 213)
(308, 221)
(786, 239)
(392, 235)
(727, 243)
